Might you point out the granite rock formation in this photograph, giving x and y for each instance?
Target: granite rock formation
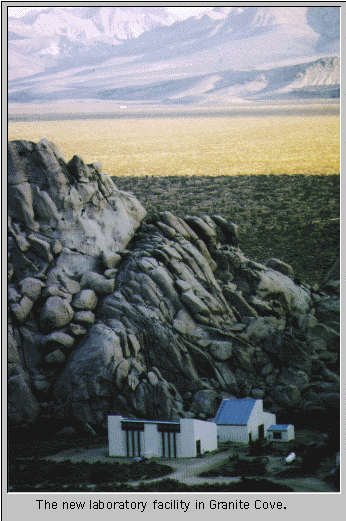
(157, 317)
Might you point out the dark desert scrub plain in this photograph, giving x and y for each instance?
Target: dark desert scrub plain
(273, 169)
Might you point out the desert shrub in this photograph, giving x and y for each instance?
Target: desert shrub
(167, 485)
(278, 448)
(292, 472)
(164, 485)
(31, 447)
(260, 485)
(237, 466)
(114, 487)
(104, 487)
(243, 485)
(259, 447)
(255, 467)
(233, 457)
(65, 472)
(333, 478)
(75, 487)
(311, 457)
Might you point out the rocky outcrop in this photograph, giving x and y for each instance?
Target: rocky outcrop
(57, 206)
(66, 222)
(163, 329)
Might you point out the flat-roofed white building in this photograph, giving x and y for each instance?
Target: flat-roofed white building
(242, 420)
(168, 439)
(280, 432)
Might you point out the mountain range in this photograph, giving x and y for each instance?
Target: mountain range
(148, 55)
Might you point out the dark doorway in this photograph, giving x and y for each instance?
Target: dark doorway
(261, 431)
(250, 437)
(198, 446)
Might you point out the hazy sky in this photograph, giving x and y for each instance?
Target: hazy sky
(182, 12)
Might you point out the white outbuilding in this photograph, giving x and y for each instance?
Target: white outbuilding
(186, 438)
(280, 432)
(242, 420)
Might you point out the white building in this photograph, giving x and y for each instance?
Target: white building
(242, 420)
(280, 432)
(169, 439)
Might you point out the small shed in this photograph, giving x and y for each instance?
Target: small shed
(168, 439)
(242, 420)
(280, 432)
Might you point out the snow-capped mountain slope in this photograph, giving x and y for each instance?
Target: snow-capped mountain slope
(60, 52)
(95, 22)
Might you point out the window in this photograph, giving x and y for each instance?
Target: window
(277, 436)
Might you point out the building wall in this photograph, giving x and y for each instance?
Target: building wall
(255, 419)
(286, 435)
(116, 437)
(186, 439)
(238, 433)
(151, 439)
(269, 419)
(289, 434)
(193, 430)
(241, 433)
(206, 432)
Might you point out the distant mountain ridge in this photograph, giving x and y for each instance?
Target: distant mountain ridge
(94, 22)
(59, 53)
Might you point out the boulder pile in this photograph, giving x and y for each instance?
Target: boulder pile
(112, 311)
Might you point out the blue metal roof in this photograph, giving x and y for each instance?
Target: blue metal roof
(278, 427)
(234, 411)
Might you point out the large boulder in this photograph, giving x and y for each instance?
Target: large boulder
(205, 401)
(22, 404)
(88, 376)
(274, 285)
(56, 313)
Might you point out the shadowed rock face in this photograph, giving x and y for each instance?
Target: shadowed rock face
(163, 329)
